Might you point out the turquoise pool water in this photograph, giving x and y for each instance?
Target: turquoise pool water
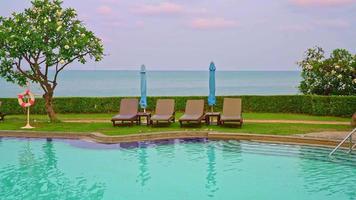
(172, 170)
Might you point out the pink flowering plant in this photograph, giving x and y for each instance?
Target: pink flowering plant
(335, 75)
(40, 42)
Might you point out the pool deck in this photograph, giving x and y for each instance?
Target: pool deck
(329, 139)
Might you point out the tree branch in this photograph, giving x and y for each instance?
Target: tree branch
(18, 67)
(70, 61)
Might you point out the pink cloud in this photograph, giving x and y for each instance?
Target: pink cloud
(322, 3)
(161, 8)
(104, 10)
(213, 23)
(139, 24)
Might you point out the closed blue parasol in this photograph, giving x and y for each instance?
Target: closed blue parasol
(143, 100)
(212, 98)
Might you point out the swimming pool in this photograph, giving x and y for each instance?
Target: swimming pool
(172, 169)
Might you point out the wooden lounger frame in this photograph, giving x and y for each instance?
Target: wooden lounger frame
(164, 107)
(232, 107)
(127, 107)
(193, 107)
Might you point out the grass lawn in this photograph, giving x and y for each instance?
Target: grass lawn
(14, 122)
(259, 116)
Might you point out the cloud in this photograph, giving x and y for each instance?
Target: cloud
(111, 1)
(213, 23)
(332, 23)
(139, 24)
(197, 11)
(321, 3)
(317, 24)
(296, 28)
(106, 39)
(157, 9)
(104, 10)
(114, 24)
(84, 17)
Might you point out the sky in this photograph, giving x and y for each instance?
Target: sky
(189, 34)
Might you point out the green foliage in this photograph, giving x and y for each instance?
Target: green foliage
(45, 35)
(42, 37)
(306, 104)
(328, 76)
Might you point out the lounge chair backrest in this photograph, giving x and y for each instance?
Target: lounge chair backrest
(232, 107)
(128, 107)
(165, 107)
(194, 107)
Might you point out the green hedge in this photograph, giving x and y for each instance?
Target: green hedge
(314, 105)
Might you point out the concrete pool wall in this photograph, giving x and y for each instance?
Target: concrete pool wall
(101, 138)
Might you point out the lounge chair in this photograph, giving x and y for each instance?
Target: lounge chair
(231, 111)
(128, 112)
(194, 112)
(164, 111)
(2, 115)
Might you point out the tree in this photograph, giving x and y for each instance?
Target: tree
(40, 42)
(335, 75)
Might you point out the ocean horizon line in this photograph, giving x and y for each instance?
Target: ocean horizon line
(182, 70)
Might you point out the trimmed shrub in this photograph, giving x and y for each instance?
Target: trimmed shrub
(305, 104)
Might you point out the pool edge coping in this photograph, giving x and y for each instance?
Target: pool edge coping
(101, 138)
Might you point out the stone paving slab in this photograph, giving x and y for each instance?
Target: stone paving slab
(338, 135)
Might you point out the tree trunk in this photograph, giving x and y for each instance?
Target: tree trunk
(49, 106)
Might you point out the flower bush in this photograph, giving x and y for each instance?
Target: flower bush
(335, 75)
(44, 38)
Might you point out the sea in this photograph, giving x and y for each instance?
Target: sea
(111, 83)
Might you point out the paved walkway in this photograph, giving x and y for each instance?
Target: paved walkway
(247, 120)
(295, 121)
(337, 135)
